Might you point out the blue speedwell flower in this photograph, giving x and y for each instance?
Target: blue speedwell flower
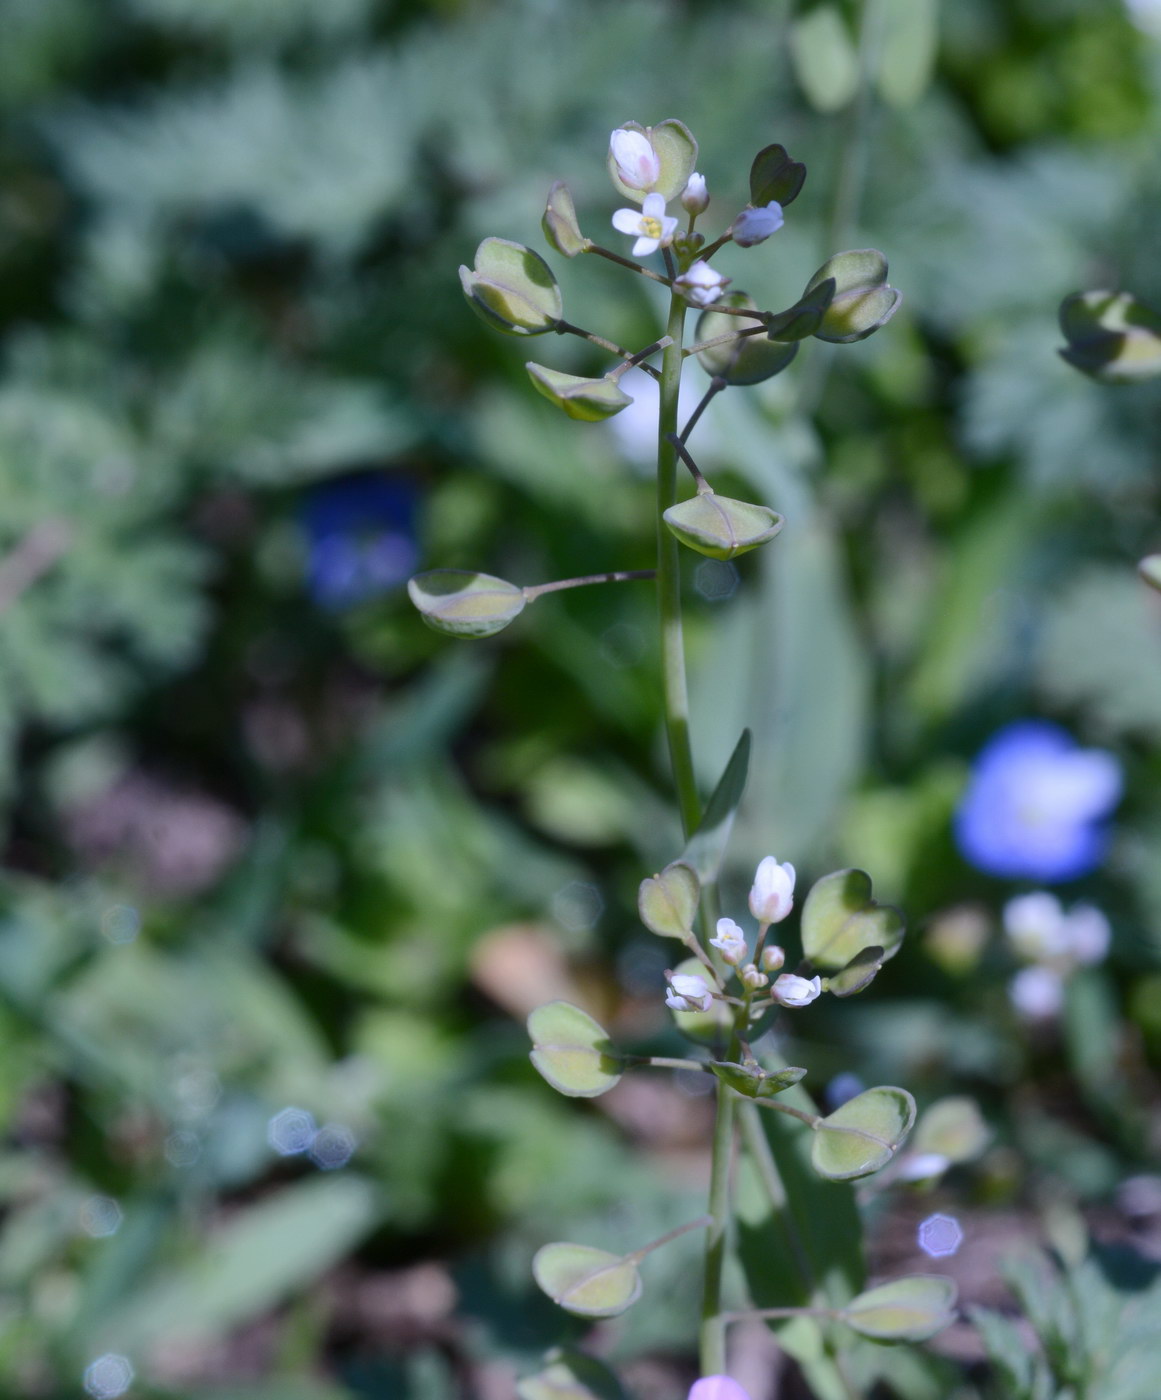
(1037, 804)
(360, 538)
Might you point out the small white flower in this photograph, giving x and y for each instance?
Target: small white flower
(1088, 933)
(773, 958)
(1037, 992)
(638, 164)
(772, 893)
(651, 224)
(701, 284)
(752, 978)
(754, 226)
(790, 990)
(922, 1166)
(695, 197)
(1035, 926)
(688, 993)
(731, 940)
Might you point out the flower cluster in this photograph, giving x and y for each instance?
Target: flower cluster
(1054, 943)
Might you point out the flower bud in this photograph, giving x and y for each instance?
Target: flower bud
(772, 893)
(731, 941)
(773, 958)
(754, 226)
(688, 993)
(789, 990)
(700, 284)
(695, 197)
(638, 164)
(752, 978)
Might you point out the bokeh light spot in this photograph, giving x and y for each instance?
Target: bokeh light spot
(120, 923)
(101, 1216)
(109, 1376)
(577, 906)
(291, 1132)
(940, 1236)
(333, 1146)
(716, 580)
(182, 1149)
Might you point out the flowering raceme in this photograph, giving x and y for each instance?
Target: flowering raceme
(1037, 804)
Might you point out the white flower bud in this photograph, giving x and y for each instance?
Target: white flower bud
(700, 285)
(638, 164)
(752, 978)
(731, 941)
(753, 226)
(688, 993)
(773, 958)
(790, 990)
(772, 893)
(695, 197)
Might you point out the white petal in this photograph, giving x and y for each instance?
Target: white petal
(627, 221)
(668, 228)
(654, 207)
(644, 246)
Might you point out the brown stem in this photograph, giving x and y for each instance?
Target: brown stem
(629, 263)
(716, 385)
(703, 486)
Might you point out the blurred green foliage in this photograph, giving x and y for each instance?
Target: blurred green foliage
(262, 851)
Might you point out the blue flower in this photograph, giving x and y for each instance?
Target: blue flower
(1037, 804)
(360, 538)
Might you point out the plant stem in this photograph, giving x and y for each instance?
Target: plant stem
(699, 1224)
(666, 1062)
(627, 262)
(703, 486)
(639, 358)
(722, 340)
(716, 385)
(567, 328)
(617, 576)
(712, 1340)
(676, 697)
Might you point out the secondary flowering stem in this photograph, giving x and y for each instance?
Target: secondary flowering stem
(617, 576)
(699, 1224)
(703, 486)
(716, 385)
(722, 339)
(630, 359)
(638, 359)
(712, 1339)
(627, 262)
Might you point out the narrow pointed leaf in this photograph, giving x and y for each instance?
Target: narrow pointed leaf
(588, 1282)
(588, 400)
(721, 527)
(465, 604)
(667, 902)
(572, 1051)
(863, 1134)
(755, 1082)
(774, 175)
(560, 222)
(840, 919)
(707, 846)
(910, 1309)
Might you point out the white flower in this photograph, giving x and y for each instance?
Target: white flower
(922, 1166)
(773, 958)
(752, 978)
(701, 284)
(651, 224)
(754, 226)
(695, 197)
(1037, 992)
(638, 164)
(688, 993)
(731, 940)
(1088, 933)
(1035, 926)
(772, 893)
(790, 990)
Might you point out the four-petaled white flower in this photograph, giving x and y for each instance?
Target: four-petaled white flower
(773, 958)
(695, 196)
(754, 226)
(772, 893)
(650, 223)
(688, 993)
(790, 990)
(701, 284)
(731, 940)
(638, 164)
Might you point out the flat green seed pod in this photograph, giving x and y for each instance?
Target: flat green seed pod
(721, 527)
(1111, 336)
(840, 918)
(588, 1282)
(862, 1135)
(667, 902)
(572, 1051)
(862, 300)
(806, 315)
(1150, 570)
(465, 604)
(512, 288)
(559, 223)
(588, 400)
(747, 361)
(910, 1309)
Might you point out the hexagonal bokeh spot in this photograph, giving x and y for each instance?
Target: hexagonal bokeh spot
(108, 1376)
(577, 906)
(940, 1236)
(100, 1217)
(333, 1146)
(291, 1131)
(716, 580)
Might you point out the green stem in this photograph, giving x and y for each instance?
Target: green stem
(699, 1224)
(712, 1346)
(676, 697)
(537, 590)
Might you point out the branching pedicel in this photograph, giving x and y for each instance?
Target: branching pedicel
(725, 992)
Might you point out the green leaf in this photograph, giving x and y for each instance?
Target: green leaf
(954, 1128)
(512, 288)
(826, 62)
(720, 527)
(910, 1309)
(751, 1079)
(840, 919)
(676, 150)
(746, 361)
(1111, 336)
(570, 1375)
(706, 848)
(805, 316)
(706, 1027)
(572, 1051)
(860, 972)
(907, 50)
(589, 400)
(667, 902)
(773, 175)
(585, 1281)
(465, 604)
(559, 223)
(863, 1134)
(862, 300)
